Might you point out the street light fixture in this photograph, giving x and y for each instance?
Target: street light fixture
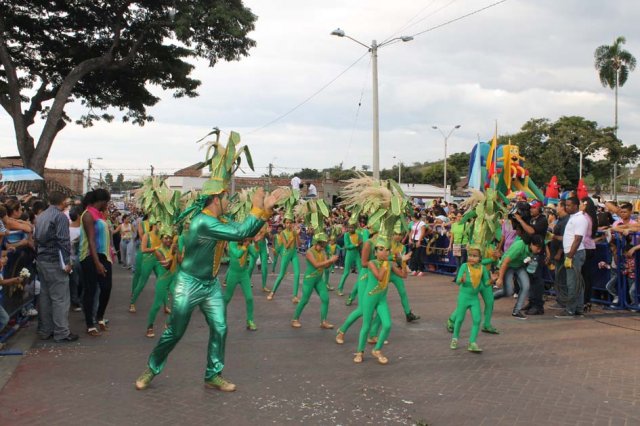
(399, 170)
(89, 167)
(446, 139)
(581, 152)
(373, 48)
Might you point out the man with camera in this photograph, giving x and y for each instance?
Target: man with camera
(535, 224)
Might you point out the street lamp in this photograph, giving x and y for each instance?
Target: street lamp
(399, 170)
(89, 166)
(446, 139)
(581, 152)
(374, 73)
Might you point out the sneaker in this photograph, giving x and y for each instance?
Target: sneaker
(251, 326)
(557, 306)
(453, 344)
(519, 315)
(217, 382)
(145, 379)
(31, 312)
(565, 314)
(515, 295)
(412, 317)
(534, 311)
(473, 347)
(615, 300)
(70, 338)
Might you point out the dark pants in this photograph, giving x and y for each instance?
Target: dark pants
(588, 271)
(415, 263)
(536, 291)
(116, 245)
(91, 281)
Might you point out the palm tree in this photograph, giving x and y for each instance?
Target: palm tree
(614, 64)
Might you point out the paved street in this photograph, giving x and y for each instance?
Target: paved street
(541, 371)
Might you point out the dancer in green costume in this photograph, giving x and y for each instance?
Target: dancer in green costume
(332, 250)
(352, 243)
(165, 269)
(147, 263)
(317, 262)
(196, 283)
(240, 255)
(277, 247)
(472, 276)
(366, 254)
(290, 240)
(374, 299)
(486, 292)
(260, 241)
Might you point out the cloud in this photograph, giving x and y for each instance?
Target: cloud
(513, 62)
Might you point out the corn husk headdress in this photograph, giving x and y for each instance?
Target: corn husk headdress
(313, 212)
(382, 201)
(289, 204)
(222, 161)
(241, 204)
(485, 211)
(161, 203)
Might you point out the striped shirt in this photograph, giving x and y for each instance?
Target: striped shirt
(52, 236)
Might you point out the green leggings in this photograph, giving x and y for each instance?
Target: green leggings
(276, 256)
(136, 270)
(264, 263)
(487, 297)
(289, 256)
(404, 300)
(351, 259)
(361, 284)
(376, 303)
(234, 278)
(164, 287)
(327, 274)
(309, 284)
(467, 300)
(147, 266)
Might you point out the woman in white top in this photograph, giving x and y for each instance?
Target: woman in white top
(416, 235)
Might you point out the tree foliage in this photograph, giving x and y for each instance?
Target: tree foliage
(105, 55)
(551, 148)
(611, 60)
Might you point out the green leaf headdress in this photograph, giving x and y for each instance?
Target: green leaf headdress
(289, 203)
(241, 204)
(159, 201)
(313, 212)
(223, 161)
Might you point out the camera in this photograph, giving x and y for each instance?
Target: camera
(523, 209)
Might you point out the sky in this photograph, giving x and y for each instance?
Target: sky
(507, 64)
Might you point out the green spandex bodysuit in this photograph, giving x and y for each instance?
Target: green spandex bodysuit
(289, 255)
(197, 285)
(146, 265)
(359, 288)
(468, 299)
(486, 292)
(351, 258)
(263, 253)
(375, 303)
(313, 280)
(331, 250)
(164, 284)
(238, 273)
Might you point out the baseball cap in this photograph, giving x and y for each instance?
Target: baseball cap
(536, 204)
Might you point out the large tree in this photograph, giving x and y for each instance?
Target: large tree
(614, 64)
(105, 55)
(552, 148)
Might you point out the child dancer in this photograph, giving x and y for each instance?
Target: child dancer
(165, 269)
(238, 273)
(352, 243)
(290, 239)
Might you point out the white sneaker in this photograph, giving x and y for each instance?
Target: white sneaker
(31, 312)
(615, 300)
(515, 295)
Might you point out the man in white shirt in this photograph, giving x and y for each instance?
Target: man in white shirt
(312, 192)
(416, 235)
(295, 182)
(573, 245)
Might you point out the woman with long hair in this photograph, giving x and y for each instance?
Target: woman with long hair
(95, 258)
(588, 208)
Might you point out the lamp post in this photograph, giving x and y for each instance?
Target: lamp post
(399, 170)
(581, 152)
(374, 74)
(89, 167)
(446, 139)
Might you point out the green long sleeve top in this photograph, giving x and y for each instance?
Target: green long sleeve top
(239, 255)
(467, 284)
(205, 241)
(348, 242)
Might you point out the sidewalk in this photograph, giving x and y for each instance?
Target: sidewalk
(541, 371)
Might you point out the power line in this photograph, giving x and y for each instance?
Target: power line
(355, 122)
(459, 18)
(410, 24)
(309, 98)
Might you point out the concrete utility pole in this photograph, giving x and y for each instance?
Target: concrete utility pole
(270, 174)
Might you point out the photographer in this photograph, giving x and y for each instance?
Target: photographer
(535, 224)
